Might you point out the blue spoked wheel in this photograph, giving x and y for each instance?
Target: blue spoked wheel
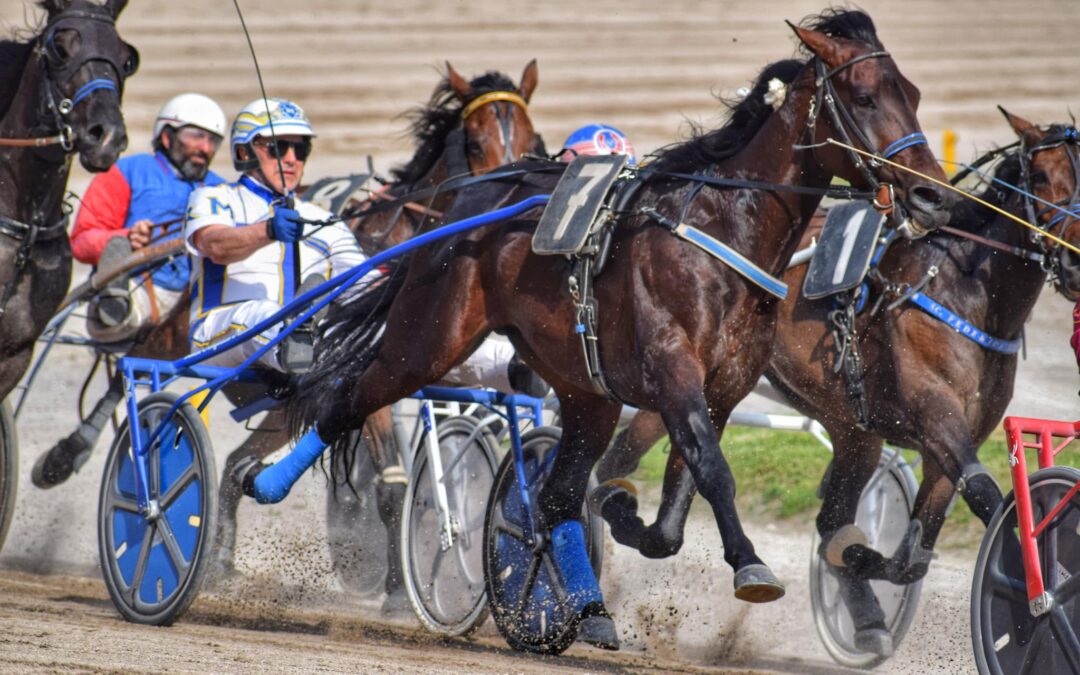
(153, 565)
(527, 599)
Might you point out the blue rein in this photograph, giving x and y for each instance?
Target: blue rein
(900, 144)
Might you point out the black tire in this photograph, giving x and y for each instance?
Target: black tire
(9, 468)
(445, 579)
(153, 568)
(526, 626)
(884, 515)
(354, 530)
(1006, 637)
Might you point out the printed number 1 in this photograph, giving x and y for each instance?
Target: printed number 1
(591, 174)
(851, 234)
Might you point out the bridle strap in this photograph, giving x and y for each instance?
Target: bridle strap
(491, 97)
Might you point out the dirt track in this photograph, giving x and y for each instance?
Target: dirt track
(645, 67)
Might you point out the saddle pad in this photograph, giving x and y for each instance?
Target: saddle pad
(333, 193)
(575, 203)
(843, 253)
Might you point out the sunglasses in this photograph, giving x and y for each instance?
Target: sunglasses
(278, 148)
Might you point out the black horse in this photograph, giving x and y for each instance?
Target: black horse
(679, 332)
(59, 93)
(927, 386)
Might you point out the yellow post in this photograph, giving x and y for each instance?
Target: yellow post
(948, 151)
(196, 401)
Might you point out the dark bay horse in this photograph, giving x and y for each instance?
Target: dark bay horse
(468, 126)
(679, 332)
(927, 386)
(59, 93)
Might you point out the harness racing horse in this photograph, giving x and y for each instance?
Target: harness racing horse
(937, 387)
(678, 332)
(469, 126)
(59, 93)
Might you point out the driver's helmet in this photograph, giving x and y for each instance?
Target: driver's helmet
(266, 118)
(597, 139)
(190, 110)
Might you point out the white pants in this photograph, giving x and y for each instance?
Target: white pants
(486, 367)
(142, 299)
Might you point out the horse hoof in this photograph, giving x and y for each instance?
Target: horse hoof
(57, 465)
(614, 489)
(757, 583)
(598, 631)
(848, 535)
(874, 641)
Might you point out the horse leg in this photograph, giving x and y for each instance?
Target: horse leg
(696, 433)
(390, 488)
(588, 421)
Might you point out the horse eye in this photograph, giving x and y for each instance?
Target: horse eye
(1038, 178)
(132, 63)
(864, 101)
(473, 148)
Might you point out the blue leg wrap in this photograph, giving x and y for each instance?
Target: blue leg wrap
(568, 548)
(274, 482)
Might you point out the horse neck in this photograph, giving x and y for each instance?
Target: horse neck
(773, 158)
(31, 185)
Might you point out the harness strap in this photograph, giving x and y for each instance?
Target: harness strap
(18, 230)
(490, 97)
(833, 191)
(945, 315)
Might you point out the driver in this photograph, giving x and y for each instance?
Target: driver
(597, 139)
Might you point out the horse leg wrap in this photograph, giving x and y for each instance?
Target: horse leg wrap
(572, 559)
(911, 561)
(980, 490)
(846, 536)
(272, 484)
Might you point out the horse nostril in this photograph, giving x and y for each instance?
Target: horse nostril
(930, 196)
(96, 133)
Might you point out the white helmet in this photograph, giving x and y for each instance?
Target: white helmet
(193, 110)
(266, 117)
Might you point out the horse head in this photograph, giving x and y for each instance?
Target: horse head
(85, 64)
(863, 100)
(495, 118)
(1050, 161)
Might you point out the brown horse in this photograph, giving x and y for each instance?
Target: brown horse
(678, 331)
(927, 386)
(59, 93)
(468, 126)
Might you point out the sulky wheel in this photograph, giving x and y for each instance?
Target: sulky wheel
(9, 468)
(884, 514)
(1006, 637)
(522, 585)
(355, 532)
(153, 565)
(444, 570)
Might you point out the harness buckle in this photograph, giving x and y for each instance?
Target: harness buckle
(884, 200)
(67, 138)
(65, 106)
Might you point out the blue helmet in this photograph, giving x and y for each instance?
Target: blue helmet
(598, 139)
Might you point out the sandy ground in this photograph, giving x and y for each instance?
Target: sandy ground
(645, 67)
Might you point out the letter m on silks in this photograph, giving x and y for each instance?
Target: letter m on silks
(217, 207)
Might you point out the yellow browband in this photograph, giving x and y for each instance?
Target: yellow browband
(490, 97)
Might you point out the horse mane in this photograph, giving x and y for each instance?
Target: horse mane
(745, 117)
(432, 123)
(15, 51)
(843, 23)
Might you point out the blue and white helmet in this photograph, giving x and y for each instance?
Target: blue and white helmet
(598, 139)
(255, 120)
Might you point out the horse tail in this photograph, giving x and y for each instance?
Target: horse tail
(347, 340)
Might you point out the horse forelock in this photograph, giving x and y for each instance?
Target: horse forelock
(432, 123)
(746, 116)
(850, 24)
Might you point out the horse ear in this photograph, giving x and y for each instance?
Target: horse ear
(529, 80)
(820, 44)
(1019, 124)
(458, 83)
(115, 6)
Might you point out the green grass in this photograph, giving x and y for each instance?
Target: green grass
(777, 474)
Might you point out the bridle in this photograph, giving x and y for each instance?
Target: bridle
(1065, 209)
(504, 115)
(842, 121)
(56, 69)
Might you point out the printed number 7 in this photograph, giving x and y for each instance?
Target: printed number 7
(591, 174)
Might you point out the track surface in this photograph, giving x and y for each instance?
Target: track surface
(645, 67)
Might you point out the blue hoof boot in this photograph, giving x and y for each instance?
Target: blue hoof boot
(757, 583)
